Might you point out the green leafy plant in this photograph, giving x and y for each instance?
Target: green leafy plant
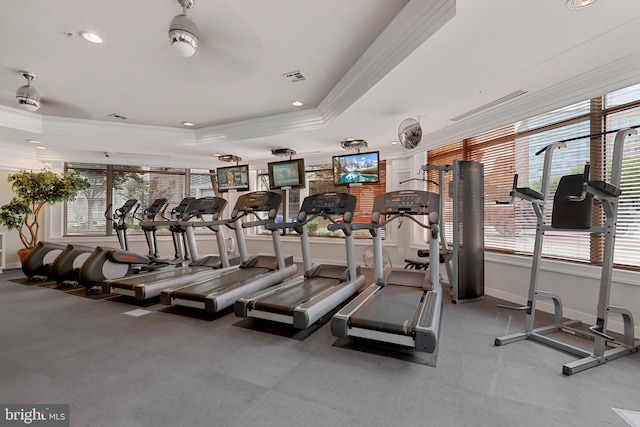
(32, 191)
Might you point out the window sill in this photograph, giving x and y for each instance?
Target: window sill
(562, 267)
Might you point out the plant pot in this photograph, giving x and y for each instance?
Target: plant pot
(22, 253)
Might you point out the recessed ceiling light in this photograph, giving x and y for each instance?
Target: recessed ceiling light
(188, 124)
(40, 147)
(34, 141)
(90, 37)
(297, 103)
(578, 4)
(394, 142)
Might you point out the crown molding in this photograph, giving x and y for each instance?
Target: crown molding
(16, 157)
(14, 118)
(308, 119)
(101, 136)
(415, 23)
(612, 76)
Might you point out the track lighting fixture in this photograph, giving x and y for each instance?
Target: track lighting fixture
(353, 143)
(27, 96)
(183, 32)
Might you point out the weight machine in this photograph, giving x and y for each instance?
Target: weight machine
(464, 258)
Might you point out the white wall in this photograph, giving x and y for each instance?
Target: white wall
(506, 276)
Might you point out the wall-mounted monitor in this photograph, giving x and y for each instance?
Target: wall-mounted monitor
(361, 168)
(289, 173)
(233, 178)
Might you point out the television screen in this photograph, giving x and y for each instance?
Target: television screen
(356, 168)
(233, 178)
(289, 173)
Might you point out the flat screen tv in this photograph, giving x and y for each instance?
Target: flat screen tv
(289, 173)
(361, 168)
(233, 178)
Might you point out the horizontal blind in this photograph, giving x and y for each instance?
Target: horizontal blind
(496, 151)
(511, 228)
(566, 161)
(622, 96)
(628, 221)
(443, 156)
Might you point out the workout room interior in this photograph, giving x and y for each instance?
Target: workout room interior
(392, 102)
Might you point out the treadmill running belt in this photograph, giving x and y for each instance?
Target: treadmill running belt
(199, 291)
(141, 279)
(389, 310)
(285, 301)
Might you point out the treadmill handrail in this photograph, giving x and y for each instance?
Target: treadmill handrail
(346, 227)
(373, 225)
(212, 223)
(297, 224)
(258, 223)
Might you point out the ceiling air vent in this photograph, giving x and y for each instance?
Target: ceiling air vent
(294, 76)
(488, 105)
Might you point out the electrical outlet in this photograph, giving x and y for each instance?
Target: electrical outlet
(400, 250)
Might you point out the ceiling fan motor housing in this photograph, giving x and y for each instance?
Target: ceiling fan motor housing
(28, 98)
(183, 30)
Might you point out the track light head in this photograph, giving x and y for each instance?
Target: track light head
(27, 96)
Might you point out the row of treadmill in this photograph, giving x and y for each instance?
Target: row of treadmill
(401, 307)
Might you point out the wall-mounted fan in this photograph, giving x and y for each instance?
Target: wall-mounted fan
(367, 257)
(410, 133)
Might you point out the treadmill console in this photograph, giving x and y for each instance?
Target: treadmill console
(259, 201)
(178, 211)
(126, 208)
(205, 206)
(151, 212)
(413, 202)
(329, 204)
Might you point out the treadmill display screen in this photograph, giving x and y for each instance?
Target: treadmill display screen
(402, 201)
(410, 202)
(156, 205)
(258, 201)
(206, 206)
(329, 203)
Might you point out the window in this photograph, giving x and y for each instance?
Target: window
(510, 150)
(113, 185)
(85, 214)
(201, 183)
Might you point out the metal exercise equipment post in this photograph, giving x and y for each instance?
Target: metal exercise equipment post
(571, 211)
(402, 307)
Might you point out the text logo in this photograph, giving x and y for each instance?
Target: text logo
(37, 415)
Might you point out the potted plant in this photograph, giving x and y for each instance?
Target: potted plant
(33, 190)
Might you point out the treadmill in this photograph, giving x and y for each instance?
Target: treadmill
(149, 285)
(402, 307)
(303, 301)
(255, 273)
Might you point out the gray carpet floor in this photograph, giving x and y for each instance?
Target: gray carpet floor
(181, 368)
